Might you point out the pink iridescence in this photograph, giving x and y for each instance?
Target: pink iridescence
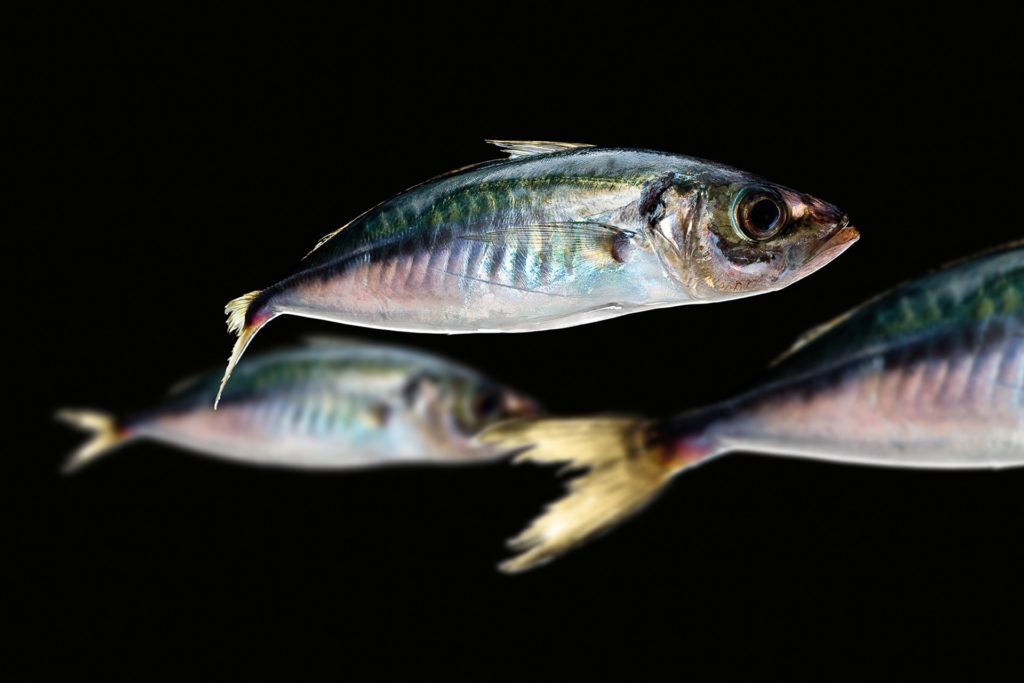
(949, 403)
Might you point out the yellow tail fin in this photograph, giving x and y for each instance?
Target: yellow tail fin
(237, 311)
(623, 474)
(106, 436)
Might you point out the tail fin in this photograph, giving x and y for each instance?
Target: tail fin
(237, 311)
(106, 436)
(624, 472)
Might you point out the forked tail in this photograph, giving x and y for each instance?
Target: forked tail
(107, 436)
(246, 326)
(625, 469)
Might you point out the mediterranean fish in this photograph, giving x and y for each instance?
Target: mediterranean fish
(327, 405)
(559, 234)
(930, 374)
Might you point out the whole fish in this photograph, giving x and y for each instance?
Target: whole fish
(930, 374)
(560, 234)
(330, 404)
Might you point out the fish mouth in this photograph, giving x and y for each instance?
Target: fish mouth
(517, 406)
(841, 240)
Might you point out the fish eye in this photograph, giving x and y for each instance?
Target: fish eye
(760, 213)
(487, 403)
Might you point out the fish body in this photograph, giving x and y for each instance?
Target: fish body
(327, 405)
(930, 374)
(559, 235)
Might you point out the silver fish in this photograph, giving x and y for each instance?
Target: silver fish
(328, 405)
(560, 234)
(930, 375)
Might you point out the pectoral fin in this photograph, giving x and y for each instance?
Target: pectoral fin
(590, 238)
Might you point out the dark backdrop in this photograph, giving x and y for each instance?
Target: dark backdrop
(170, 172)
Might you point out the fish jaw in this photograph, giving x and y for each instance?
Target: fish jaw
(711, 253)
(844, 238)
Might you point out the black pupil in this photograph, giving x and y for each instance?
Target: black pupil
(489, 404)
(764, 215)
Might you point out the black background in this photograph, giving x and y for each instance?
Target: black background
(168, 172)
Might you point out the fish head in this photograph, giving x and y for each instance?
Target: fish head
(729, 234)
(479, 404)
(454, 409)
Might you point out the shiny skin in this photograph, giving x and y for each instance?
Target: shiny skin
(930, 374)
(337, 405)
(553, 240)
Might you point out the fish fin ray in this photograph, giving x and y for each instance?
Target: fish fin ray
(327, 238)
(106, 436)
(516, 149)
(237, 311)
(816, 332)
(592, 237)
(184, 384)
(622, 475)
(594, 228)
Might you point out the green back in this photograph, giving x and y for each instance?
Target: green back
(963, 295)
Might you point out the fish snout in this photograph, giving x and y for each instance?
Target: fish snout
(518, 405)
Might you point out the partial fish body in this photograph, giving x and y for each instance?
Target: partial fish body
(931, 375)
(328, 405)
(928, 375)
(556, 236)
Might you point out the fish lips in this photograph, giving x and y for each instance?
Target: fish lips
(842, 239)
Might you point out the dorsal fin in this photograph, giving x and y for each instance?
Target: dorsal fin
(525, 148)
(186, 383)
(323, 240)
(819, 331)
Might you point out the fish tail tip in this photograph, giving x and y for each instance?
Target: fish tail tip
(245, 325)
(106, 436)
(519, 564)
(622, 473)
(237, 310)
(245, 335)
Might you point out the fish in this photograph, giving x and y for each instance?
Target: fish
(328, 404)
(927, 375)
(556, 235)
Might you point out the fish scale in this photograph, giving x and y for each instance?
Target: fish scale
(930, 374)
(561, 235)
(325, 405)
(893, 376)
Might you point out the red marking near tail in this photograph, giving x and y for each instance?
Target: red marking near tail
(257, 319)
(687, 451)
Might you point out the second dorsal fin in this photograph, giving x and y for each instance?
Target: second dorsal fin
(525, 148)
